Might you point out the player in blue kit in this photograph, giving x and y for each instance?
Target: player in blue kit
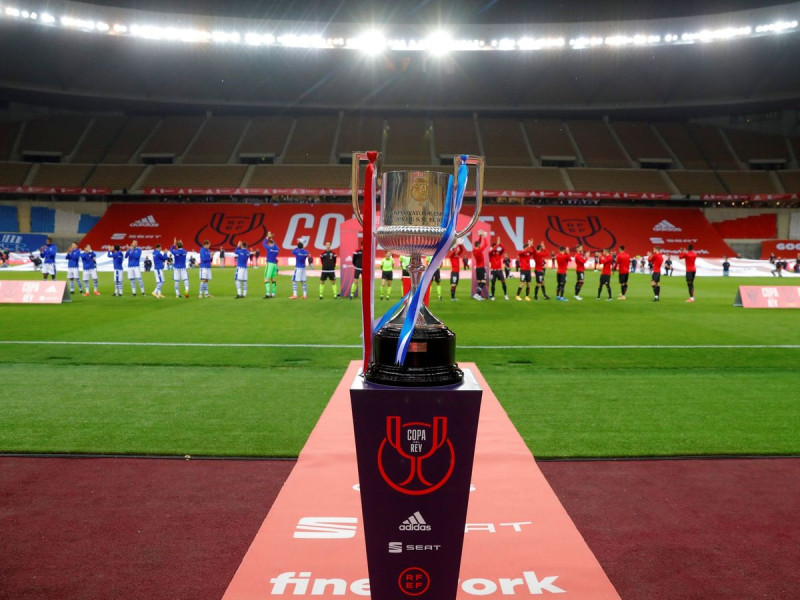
(301, 259)
(179, 267)
(48, 256)
(242, 260)
(159, 260)
(134, 255)
(117, 257)
(73, 272)
(271, 270)
(89, 260)
(205, 269)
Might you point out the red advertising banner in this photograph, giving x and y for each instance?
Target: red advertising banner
(46, 189)
(781, 248)
(33, 292)
(763, 296)
(224, 224)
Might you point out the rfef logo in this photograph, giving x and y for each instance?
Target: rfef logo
(416, 458)
(571, 231)
(414, 581)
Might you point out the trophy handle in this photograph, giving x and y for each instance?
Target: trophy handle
(358, 158)
(479, 163)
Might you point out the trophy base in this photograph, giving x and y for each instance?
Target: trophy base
(430, 360)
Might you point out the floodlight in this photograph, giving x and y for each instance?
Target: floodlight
(12, 12)
(226, 37)
(47, 18)
(438, 43)
(371, 42)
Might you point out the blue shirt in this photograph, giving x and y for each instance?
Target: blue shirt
(179, 254)
(300, 258)
(73, 256)
(272, 252)
(159, 258)
(133, 255)
(242, 257)
(205, 258)
(88, 259)
(117, 257)
(48, 253)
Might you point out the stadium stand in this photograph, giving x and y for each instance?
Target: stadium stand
(317, 176)
(750, 145)
(618, 180)
(266, 136)
(56, 134)
(116, 177)
(195, 176)
(43, 219)
(695, 183)
(61, 175)
(790, 180)
(9, 218)
(640, 141)
(549, 139)
(101, 136)
(14, 173)
(359, 133)
(455, 135)
(682, 145)
(752, 227)
(503, 143)
(748, 182)
(408, 141)
(217, 141)
(8, 135)
(597, 145)
(520, 178)
(130, 139)
(173, 136)
(712, 146)
(312, 141)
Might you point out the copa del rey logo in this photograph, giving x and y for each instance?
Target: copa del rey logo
(665, 225)
(416, 458)
(148, 221)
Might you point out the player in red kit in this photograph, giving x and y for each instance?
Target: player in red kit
(540, 260)
(656, 259)
(562, 261)
(580, 270)
(525, 257)
(624, 269)
(606, 261)
(496, 253)
(690, 256)
(479, 263)
(455, 268)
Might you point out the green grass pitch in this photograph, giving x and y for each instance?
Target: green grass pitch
(596, 379)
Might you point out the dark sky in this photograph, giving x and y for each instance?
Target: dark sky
(447, 11)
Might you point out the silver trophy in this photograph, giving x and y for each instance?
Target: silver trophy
(411, 215)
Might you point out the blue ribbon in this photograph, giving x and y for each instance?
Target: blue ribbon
(452, 209)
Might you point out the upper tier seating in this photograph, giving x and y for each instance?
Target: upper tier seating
(359, 134)
(455, 135)
(713, 147)
(312, 141)
(503, 142)
(101, 136)
(597, 145)
(549, 139)
(173, 136)
(640, 141)
(682, 145)
(132, 136)
(618, 180)
(217, 141)
(266, 135)
(408, 141)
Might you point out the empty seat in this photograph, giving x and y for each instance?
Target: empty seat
(57, 134)
(86, 223)
(640, 141)
(14, 173)
(750, 145)
(697, 183)
(130, 138)
(173, 136)
(61, 175)
(9, 218)
(216, 142)
(359, 133)
(597, 145)
(102, 134)
(295, 176)
(455, 135)
(524, 178)
(408, 141)
(503, 143)
(790, 180)
(712, 145)
(312, 140)
(618, 180)
(677, 138)
(116, 177)
(266, 135)
(8, 134)
(43, 219)
(748, 182)
(195, 176)
(549, 139)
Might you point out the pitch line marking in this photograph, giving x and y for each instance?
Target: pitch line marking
(465, 347)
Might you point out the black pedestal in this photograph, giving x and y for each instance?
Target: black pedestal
(415, 449)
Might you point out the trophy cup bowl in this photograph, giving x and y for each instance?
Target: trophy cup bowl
(413, 205)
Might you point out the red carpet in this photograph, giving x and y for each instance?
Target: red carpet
(132, 529)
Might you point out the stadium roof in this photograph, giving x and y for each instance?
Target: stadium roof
(74, 68)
